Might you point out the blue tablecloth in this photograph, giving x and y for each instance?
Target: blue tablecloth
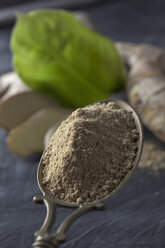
(135, 218)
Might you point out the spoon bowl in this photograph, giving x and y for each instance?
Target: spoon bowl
(125, 106)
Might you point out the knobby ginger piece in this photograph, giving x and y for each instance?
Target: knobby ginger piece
(28, 137)
(11, 84)
(18, 102)
(146, 83)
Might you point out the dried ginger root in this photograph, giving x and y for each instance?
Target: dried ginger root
(146, 83)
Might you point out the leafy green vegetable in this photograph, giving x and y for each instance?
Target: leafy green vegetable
(56, 54)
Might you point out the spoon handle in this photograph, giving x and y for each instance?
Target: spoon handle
(50, 214)
(43, 238)
(61, 232)
(46, 240)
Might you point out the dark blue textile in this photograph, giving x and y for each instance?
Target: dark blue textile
(135, 218)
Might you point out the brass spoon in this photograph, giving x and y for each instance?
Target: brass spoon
(46, 240)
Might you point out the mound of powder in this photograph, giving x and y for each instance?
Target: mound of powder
(90, 153)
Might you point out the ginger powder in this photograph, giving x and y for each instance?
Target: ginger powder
(90, 153)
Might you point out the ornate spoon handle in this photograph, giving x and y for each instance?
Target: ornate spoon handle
(46, 240)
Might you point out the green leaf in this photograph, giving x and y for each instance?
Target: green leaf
(57, 55)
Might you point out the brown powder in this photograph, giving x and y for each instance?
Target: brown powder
(90, 153)
(153, 156)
